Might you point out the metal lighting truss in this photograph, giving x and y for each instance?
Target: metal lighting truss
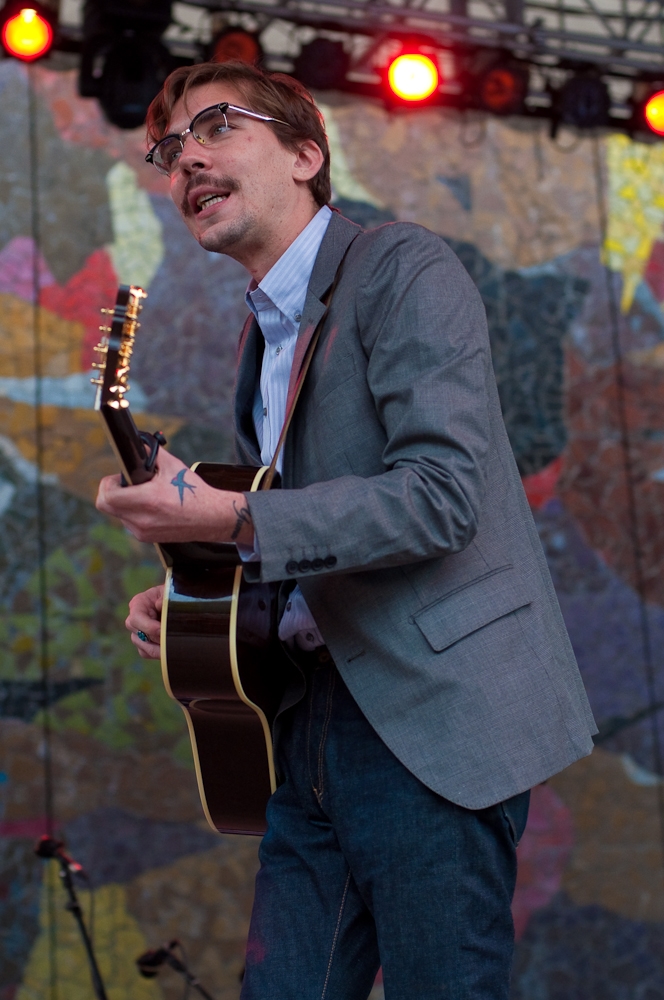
(617, 35)
(612, 38)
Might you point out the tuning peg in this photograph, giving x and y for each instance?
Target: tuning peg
(106, 312)
(102, 348)
(95, 364)
(105, 329)
(97, 381)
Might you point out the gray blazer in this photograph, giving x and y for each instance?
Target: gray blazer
(403, 518)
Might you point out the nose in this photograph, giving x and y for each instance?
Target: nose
(194, 156)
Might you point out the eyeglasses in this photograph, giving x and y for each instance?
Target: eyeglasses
(207, 127)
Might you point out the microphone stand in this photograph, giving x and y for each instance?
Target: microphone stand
(149, 963)
(48, 847)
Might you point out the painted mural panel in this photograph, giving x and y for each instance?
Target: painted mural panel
(579, 357)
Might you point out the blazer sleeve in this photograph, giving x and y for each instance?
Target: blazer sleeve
(422, 328)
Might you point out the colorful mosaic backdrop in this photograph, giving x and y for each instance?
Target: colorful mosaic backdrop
(524, 214)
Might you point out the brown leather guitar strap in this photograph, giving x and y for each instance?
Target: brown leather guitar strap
(267, 479)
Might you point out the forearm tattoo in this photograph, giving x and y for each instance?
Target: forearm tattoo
(243, 517)
(180, 484)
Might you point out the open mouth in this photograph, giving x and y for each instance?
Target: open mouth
(207, 200)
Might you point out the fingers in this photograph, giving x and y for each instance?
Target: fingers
(146, 650)
(107, 488)
(143, 621)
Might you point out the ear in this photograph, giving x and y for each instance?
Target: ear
(308, 161)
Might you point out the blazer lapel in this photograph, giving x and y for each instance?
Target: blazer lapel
(339, 234)
(249, 361)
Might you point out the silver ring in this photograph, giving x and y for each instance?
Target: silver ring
(143, 637)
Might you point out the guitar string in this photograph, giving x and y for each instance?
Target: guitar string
(40, 502)
(630, 477)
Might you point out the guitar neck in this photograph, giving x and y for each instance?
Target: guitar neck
(126, 442)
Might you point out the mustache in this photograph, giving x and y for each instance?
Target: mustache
(229, 184)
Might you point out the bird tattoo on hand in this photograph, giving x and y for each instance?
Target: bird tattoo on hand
(181, 485)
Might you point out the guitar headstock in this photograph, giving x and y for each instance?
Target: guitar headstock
(115, 348)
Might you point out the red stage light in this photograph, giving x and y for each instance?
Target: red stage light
(27, 35)
(413, 76)
(503, 90)
(234, 44)
(654, 112)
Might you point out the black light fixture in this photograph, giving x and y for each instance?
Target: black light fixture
(582, 101)
(322, 64)
(123, 60)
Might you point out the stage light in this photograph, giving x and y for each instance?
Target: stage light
(123, 60)
(234, 44)
(503, 89)
(654, 112)
(322, 64)
(413, 76)
(27, 35)
(583, 101)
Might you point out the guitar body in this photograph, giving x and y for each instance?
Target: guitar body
(221, 659)
(221, 662)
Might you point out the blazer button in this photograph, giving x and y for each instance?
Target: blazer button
(304, 566)
(291, 566)
(331, 561)
(317, 564)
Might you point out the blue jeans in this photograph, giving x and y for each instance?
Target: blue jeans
(363, 865)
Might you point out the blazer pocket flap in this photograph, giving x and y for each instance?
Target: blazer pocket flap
(471, 607)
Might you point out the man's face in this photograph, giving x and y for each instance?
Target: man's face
(233, 196)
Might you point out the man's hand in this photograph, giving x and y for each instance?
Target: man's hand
(144, 617)
(177, 506)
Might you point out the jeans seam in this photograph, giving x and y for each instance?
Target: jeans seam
(336, 937)
(311, 712)
(323, 737)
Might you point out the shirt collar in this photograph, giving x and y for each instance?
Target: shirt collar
(285, 284)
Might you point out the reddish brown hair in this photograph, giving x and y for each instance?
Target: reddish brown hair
(273, 94)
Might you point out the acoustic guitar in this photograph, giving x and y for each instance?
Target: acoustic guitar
(220, 657)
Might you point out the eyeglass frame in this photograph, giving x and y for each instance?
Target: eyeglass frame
(222, 108)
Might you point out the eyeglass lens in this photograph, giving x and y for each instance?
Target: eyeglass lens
(209, 125)
(165, 153)
(207, 128)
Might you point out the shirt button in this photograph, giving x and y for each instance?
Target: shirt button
(297, 317)
(309, 637)
(265, 411)
(279, 350)
(289, 606)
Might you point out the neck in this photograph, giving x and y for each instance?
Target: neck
(261, 259)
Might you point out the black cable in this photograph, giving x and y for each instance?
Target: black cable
(632, 506)
(91, 909)
(41, 512)
(187, 985)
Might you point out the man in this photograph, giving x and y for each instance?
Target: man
(436, 681)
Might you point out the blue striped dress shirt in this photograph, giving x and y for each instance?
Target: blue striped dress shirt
(277, 303)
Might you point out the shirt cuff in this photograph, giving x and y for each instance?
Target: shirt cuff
(249, 553)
